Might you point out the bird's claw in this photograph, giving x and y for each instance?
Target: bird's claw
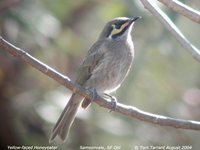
(113, 102)
(93, 93)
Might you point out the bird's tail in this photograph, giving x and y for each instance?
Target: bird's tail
(66, 119)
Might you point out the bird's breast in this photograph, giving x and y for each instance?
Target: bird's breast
(111, 70)
(118, 64)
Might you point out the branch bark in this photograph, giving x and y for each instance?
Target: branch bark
(171, 27)
(121, 108)
(182, 9)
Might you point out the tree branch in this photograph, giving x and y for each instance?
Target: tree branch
(164, 19)
(121, 108)
(182, 9)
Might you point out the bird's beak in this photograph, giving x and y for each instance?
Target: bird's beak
(131, 21)
(134, 19)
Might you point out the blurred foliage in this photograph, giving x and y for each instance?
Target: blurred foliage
(164, 78)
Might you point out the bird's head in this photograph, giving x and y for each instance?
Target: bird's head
(118, 28)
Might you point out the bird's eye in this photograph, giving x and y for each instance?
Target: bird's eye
(117, 26)
(114, 26)
(116, 29)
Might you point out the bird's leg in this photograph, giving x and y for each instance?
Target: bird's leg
(113, 101)
(93, 93)
(87, 102)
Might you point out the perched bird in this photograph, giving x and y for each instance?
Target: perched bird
(105, 66)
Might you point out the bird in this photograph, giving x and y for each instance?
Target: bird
(103, 69)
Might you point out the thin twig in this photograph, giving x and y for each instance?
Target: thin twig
(120, 108)
(164, 19)
(182, 9)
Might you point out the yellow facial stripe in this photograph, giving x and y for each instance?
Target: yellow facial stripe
(116, 31)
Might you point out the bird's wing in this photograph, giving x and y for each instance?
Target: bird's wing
(91, 60)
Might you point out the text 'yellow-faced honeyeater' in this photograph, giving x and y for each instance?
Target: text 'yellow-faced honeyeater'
(105, 66)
